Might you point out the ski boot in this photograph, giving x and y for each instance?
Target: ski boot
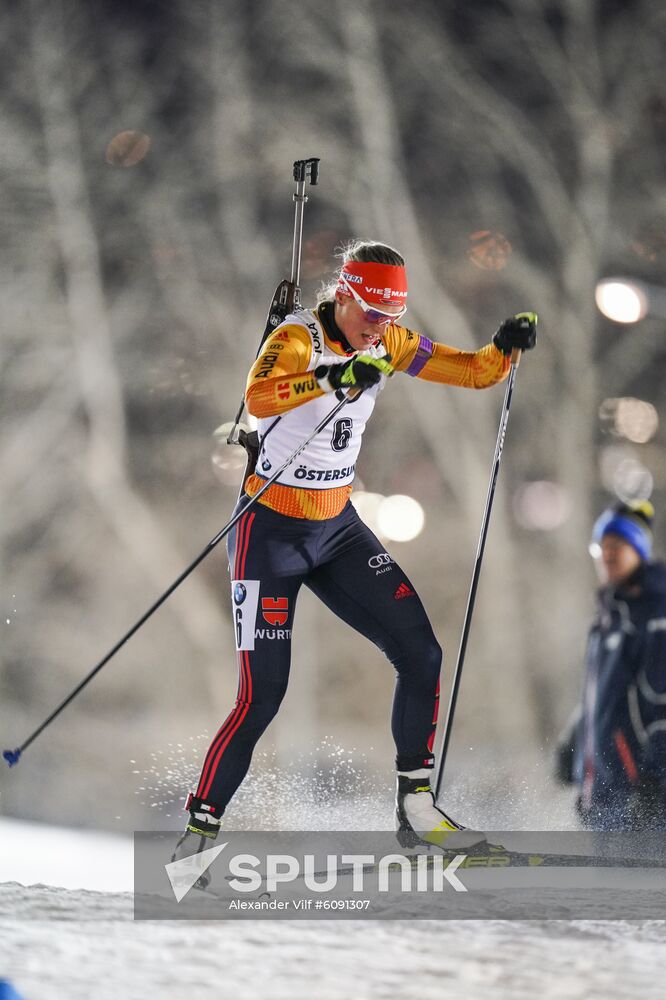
(200, 833)
(420, 821)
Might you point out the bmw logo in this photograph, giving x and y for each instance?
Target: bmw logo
(240, 593)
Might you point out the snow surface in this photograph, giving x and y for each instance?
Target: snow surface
(72, 859)
(66, 940)
(58, 943)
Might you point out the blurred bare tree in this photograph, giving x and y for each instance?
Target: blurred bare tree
(513, 153)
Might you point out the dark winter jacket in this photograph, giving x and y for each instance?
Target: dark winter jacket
(619, 743)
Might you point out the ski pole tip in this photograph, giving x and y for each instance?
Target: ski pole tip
(12, 756)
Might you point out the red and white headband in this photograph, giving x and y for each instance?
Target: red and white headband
(379, 284)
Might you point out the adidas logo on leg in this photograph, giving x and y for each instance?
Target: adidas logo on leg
(404, 590)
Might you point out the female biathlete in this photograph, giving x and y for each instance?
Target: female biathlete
(304, 529)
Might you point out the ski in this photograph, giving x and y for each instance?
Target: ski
(496, 856)
(493, 856)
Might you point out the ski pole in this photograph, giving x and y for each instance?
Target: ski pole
(13, 756)
(499, 447)
(287, 297)
(285, 300)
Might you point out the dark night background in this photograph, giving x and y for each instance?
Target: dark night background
(133, 301)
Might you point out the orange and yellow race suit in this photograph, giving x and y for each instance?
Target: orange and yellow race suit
(281, 384)
(304, 531)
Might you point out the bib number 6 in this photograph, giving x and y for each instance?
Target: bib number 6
(342, 432)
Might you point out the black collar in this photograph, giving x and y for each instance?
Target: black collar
(326, 313)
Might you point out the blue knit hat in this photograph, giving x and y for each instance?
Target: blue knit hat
(7, 991)
(630, 521)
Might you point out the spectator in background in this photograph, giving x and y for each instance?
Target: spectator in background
(615, 747)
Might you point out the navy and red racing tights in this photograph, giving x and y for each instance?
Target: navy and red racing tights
(347, 567)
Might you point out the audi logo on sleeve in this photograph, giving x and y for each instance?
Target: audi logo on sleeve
(381, 563)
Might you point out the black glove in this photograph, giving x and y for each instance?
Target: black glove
(519, 331)
(647, 803)
(359, 372)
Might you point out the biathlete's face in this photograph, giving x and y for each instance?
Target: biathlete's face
(363, 327)
(617, 560)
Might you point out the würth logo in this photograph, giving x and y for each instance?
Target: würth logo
(275, 609)
(403, 591)
(283, 390)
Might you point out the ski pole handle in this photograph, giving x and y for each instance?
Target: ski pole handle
(516, 352)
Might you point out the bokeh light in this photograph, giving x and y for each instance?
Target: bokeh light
(541, 505)
(610, 458)
(367, 506)
(623, 473)
(633, 419)
(400, 518)
(633, 481)
(127, 148)
(489, 250)
(620, 300)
